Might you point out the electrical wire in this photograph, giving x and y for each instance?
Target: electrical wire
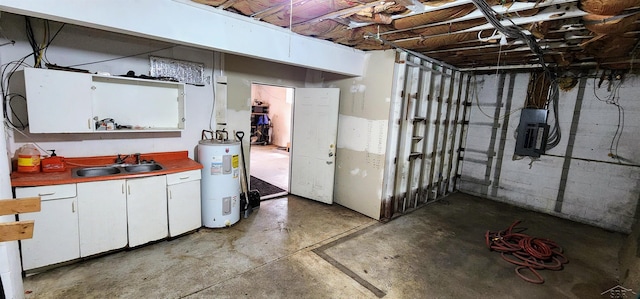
(39, 53)
(10, 125)
(4, 85)
(613, 99)
(32, 42)
(22, 125)
(8, 69)
(213, 94)
(51, 39)
(475, 96)
(516, 32)
(122, 57)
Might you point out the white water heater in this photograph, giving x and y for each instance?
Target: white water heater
(220, 183)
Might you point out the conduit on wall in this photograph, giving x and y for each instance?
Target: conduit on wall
(432, 125)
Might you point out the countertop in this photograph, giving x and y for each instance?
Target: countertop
(172, 162)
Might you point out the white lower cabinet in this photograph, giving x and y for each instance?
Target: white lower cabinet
(102, 215)
(183, 192)
(84, 219)
(146, 209)
(55, 234)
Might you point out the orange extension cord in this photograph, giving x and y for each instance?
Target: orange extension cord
(526, 252)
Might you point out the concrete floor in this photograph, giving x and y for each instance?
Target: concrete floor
(270, 164)
(297, 248)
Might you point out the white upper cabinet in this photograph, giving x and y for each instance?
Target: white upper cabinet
(56, 101)
(70, 102)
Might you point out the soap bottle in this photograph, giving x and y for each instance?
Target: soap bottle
(53, 163)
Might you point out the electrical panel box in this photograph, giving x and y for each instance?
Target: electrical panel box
(532, 133)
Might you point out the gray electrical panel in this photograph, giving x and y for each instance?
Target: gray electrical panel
(532, 133)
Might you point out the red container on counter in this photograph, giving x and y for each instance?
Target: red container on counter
(54, 163)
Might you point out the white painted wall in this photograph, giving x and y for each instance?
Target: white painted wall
(77, 45)
(10, 267)
(363, 119)
(362, 134)
(243, 72)
(279, 111)
(188, 23)
(598, 190)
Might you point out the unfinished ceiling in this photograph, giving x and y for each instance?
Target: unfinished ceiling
(569, 33)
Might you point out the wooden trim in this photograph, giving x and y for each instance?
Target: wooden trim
(19, 230)
(19, 205)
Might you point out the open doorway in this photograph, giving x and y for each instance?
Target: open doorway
(271, 110)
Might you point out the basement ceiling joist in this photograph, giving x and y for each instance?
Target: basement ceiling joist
(571, 32)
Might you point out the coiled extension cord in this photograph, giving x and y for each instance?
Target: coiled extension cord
(526, 252)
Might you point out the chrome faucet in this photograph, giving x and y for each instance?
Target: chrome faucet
(120, 160)
(137, 155)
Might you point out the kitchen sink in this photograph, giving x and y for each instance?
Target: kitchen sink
(143, 167)
(96, 171)
(115, 169)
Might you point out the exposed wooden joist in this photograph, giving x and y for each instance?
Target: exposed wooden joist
(274, 9)
(426, 10)
(554, 13)
(456, 31)
(513, 9)
(340, 13)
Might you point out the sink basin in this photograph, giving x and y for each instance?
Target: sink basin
(115, 169)
(143, 167)
(96, 171)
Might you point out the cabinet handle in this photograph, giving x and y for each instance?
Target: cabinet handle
(122, 188)
(89, 124)
(170, 196)
(129, 189)
(184, 177)
(73, 207)
(46, 194)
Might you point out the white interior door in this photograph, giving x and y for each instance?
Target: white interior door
(313, 145)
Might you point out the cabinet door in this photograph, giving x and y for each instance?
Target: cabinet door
(184, 207)
(102, 214)
(55, 234)
(58, 101)
(147, 209)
